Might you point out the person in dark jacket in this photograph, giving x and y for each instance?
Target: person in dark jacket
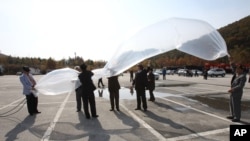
(140, 84)
(236, 93)
(100, 83)
(151, 84)
(88, 88)
(113, 87)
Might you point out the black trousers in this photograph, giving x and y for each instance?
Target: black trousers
(114, 98)
(152, 97)
(32, 103)
(79, 99)
(141, 97)
(89, 99)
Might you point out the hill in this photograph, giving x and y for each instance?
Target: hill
(237, 37)
(2, 55)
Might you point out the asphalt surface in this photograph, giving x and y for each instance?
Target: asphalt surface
(185, 109)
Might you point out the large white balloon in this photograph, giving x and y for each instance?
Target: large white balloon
(60, 81)
(191, 36)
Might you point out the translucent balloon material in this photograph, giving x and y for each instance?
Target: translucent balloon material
(59, 81)
(194, 37)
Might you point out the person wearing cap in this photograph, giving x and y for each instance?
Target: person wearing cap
(88, 88)
(29, 83)
(140, 84)
(236, 93)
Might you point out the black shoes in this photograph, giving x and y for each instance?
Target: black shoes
(145, 109)
(235, 120)
(31, 114)
(95, 116)
(78, 111)
(230, 117)
(113, 109)
(88, 117)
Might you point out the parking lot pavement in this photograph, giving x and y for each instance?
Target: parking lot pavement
(183, 110)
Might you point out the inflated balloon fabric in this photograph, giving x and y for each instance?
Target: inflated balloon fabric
(59, 81)
(194, 37)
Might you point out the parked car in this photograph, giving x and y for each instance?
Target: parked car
(18, 73)
(185, 72)
(182, 72)
(189, 73)
(197, 71)
(216, 72)
(159, 71)
(157, 75)
(170, 72)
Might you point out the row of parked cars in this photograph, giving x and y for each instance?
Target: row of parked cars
(215, 72)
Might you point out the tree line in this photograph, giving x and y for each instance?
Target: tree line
(236, 35)
(15, 64)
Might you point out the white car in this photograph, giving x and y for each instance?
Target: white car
(216, 72)
(157, 75)
(182, 72)
(198, 72)
(18, 73)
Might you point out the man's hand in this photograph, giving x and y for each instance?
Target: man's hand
(230, 91)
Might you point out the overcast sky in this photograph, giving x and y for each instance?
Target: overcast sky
(93, 29)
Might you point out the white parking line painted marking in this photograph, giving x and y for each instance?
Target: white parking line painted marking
(49, 130)
(197, 110)
(202, 134)
(11, 103)
(143, 123)
(192, 92)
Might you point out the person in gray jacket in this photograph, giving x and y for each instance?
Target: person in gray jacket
(236, 94)
(29, 83)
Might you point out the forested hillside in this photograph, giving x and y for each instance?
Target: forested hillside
(237, 37)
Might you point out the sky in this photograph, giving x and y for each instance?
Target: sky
(94, 29)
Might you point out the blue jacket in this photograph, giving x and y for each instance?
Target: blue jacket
(27, 84)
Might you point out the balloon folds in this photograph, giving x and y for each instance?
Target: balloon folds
(59, 81)
(191, 36)
(194, 37)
